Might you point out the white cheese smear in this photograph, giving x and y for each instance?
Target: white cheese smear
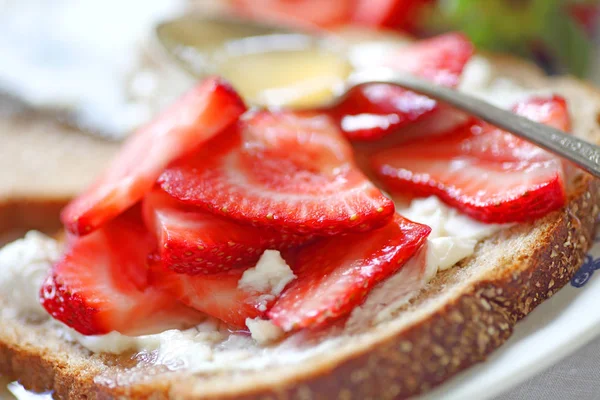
(478, 80)
(210, 345)
(270, 275)
(263, 331)
(24, 265)
(453, 235)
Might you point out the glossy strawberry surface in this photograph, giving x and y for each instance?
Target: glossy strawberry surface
(197, 116)
(101, 284)
(486, 173)
(282, 171)
(334, 275)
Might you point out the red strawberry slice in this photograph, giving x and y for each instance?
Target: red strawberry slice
(193, 242)
(588, 15)
(403, 14)
(217, 295)
(334, 275)
(373, 111)
(483, 171)
(309, 14)
(284, 171)
(199, 115)
(101, 284)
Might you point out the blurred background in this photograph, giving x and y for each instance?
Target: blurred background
(556, 33)
(94, 58)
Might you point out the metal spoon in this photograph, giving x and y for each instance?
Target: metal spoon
(585, 155)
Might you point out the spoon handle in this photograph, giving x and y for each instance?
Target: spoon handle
(585, 155)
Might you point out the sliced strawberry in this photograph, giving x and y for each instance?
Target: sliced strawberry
(586, 14)
(551, 111)
(309, 14)
(334, 275)
(331, 13)
(101, 284)
(217, 295)
(373, 111)
(199, 115)
(280, 170)
(401, 14)
(483, 171)
(193, 242)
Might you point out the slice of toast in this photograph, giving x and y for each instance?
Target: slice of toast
(43, 165)
(460, 317)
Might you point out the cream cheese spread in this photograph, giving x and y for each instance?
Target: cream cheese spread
(478, 80)
(453, 238)
(210, 345)
(263, 331)
(270, 275)
(453, 235)
(24, 265)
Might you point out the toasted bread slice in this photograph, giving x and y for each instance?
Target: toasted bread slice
(460, 317)
(43, 164)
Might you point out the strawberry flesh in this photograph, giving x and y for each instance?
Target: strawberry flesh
(306, 14)
(192, 241)
(217, 295)
(101, 284)
(373, 111)
(481, 170)
(394, 14)
(334, 275)
(291, 173)
(199, 115)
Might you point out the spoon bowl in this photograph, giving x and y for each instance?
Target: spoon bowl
(585, 155)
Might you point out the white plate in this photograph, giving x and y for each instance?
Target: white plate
(555, 329)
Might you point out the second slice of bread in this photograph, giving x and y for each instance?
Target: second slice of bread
(42, 165)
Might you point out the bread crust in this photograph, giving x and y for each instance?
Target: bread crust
(20, 216)
(397, 364)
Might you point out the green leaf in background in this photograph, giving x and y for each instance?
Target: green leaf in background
(568, 40)
(515, 26)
